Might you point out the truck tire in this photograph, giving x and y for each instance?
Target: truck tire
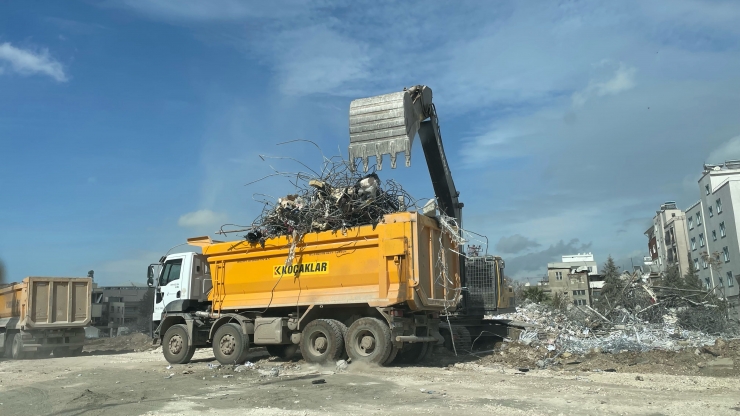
(16, 347)
(176, 345)
(414, 353)
(392, 356)
(284, 352)
(230, 346)
(322, 341)
(369, 340)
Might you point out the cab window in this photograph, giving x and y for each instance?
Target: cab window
(171, 272)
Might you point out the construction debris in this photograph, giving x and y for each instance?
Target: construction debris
(337, 198)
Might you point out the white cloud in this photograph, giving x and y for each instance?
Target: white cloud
(201, 218)
(623, 80)
(729, 150)
(26, 62)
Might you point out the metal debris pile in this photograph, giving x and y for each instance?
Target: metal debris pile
(580, 330)
(337, 198)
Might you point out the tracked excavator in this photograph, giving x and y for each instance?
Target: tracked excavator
(387, 125)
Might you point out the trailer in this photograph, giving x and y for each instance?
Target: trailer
(41, 315)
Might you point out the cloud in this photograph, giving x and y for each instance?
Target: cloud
(536, 263)
(201, 218)
(26, 62)
(515, 244)
(622, 80)
(729, 150)
(212, 10)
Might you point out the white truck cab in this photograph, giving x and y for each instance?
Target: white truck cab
(184, 278)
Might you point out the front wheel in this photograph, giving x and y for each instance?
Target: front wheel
(16, 347)
(230, 346)
(176, 345)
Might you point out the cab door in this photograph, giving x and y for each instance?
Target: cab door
(168, 287)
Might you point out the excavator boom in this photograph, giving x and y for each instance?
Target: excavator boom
(387, 124)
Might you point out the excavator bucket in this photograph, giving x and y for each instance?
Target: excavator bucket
(387, 124)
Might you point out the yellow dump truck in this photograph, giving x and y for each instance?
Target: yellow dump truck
(372, 293)
(41, 315)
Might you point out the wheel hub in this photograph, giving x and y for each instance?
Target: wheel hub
(367, 343)
(175, 344)
(228, 344)
(320, 344)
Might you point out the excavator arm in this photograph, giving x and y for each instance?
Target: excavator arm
(387, 124)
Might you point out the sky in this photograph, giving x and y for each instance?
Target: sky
(127, 126)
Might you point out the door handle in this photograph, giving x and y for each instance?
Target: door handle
(178, 294)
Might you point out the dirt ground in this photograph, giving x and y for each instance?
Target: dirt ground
(124, 377)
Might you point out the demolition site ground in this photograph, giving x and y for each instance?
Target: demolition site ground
(124, 376)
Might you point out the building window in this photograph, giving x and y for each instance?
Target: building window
(579, 293)
(711, 212)
(696, 264)
(691, 223)
(590, 269)
(698, 218)
(706, 188)
(559, 275)
(730, 280)
(693, 243)
(704, 263)
(726, 253)
(706, 282)
(579, 302)
(721, 282)
(714, 235)
(722, 232)
(719, 206)
(701, 240)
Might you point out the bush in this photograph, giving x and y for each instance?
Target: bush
(534, 294)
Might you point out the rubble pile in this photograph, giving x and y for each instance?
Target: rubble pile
(337, 198)
(580, 330)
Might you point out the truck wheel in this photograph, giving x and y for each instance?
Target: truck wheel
(230, 346)
(413, 353)
(392, 356)
(176, 345)
(284, 352)
(16, 349)
(369, 340)
(322, 341)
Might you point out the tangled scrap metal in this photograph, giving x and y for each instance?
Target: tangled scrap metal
(337, 198)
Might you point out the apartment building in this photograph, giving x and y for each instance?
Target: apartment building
(668, 240)
(713, 229)
(576, 276)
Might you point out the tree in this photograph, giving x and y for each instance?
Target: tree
(691, 278)
(612, 285)
(146, 309)
(672, 277)
(534, 294)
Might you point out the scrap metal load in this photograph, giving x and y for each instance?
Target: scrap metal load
(338, 199)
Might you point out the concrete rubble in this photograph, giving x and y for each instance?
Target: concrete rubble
(578, 331)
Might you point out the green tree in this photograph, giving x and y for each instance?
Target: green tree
(672, 277)
(691, 278)
(534, 294)
(612, 285)
(146, 309)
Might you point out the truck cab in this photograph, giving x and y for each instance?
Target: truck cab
(182, 282)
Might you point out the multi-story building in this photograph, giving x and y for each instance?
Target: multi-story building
(713, 230)
(576, 277)
(115, 306)
(668, 240)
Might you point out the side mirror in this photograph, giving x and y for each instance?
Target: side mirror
(150, 276)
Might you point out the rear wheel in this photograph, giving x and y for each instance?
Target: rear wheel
(413, 353)
(16, 347)
(176, 345)
(369, 340)
(230, 346)
(322, 341)
(284, 352)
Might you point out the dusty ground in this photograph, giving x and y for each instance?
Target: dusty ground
(126, 382)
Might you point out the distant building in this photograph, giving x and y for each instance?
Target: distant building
(668, 240)
(576, 276)
(114, 306)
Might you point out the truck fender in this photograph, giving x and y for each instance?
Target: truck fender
(170, 320)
